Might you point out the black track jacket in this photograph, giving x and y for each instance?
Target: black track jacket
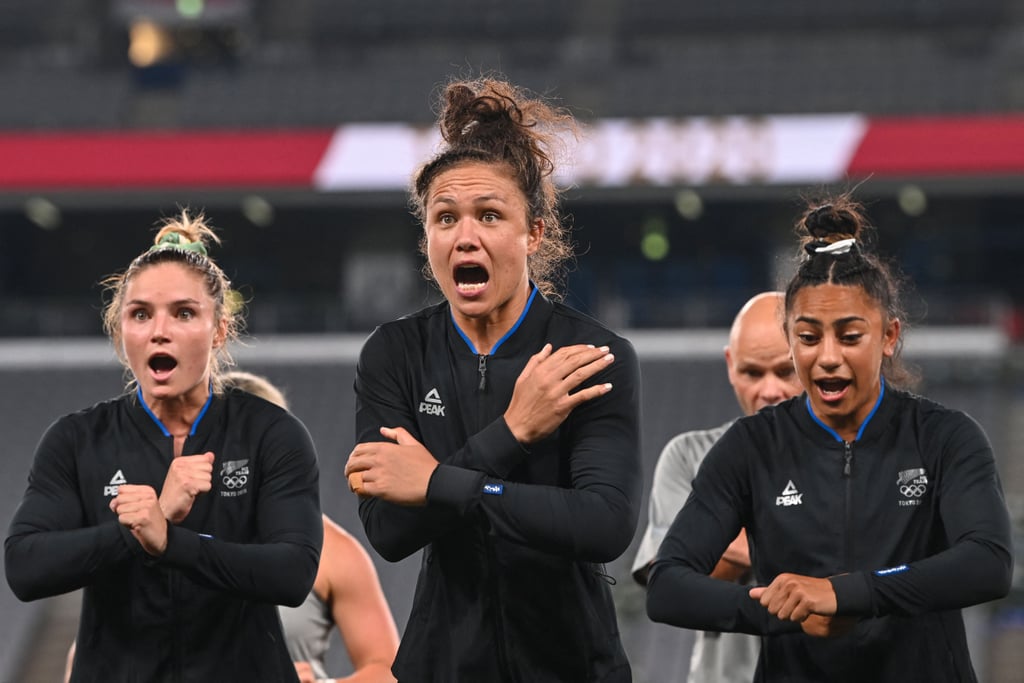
(909, 521)
(512, 587)
(206, 609)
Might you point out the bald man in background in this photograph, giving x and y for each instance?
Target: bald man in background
(761, 373)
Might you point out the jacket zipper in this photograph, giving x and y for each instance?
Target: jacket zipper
(492, 579)
(848, 477)
(175, 584)
(482, 369)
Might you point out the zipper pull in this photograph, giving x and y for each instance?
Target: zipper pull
(848, 459)
(482, 369)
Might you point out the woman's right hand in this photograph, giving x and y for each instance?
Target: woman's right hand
(138, 509)
(543, 396)
(794, 597)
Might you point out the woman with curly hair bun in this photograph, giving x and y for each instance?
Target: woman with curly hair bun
(499, 431)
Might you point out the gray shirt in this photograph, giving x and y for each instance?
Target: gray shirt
(717, 657)
(307, 629)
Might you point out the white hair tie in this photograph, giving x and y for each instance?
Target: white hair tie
(836, 248)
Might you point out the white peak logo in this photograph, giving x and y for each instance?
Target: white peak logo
(790, 496)
(432, 404)
(115, 482)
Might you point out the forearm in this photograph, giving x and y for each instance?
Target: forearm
(594, 524)
(271, 556)
(493, 451)
(279, 572)
(590, 512)
(41, 564)
(967, 574)
(976, 566)
(397, 531)
(680, 596)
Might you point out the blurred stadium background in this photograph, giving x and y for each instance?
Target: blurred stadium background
(295, 124)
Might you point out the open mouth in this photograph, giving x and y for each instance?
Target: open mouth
(832, 388)
(470, 279)
(162, 364)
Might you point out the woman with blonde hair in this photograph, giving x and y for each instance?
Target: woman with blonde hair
(186, 513)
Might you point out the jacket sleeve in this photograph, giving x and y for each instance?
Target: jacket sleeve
(592, 520)
(382, 399)
(977, 565)
(680, 591)
(49, 550)
(280, 567)
(397, 531)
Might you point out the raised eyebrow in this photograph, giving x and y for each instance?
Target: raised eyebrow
(835, 323)
(487, 198)
(482, 199)
(179, 302)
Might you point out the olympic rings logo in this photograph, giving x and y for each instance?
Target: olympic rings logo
(913, 490)
(235, 481)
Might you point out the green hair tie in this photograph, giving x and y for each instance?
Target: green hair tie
(175, 240)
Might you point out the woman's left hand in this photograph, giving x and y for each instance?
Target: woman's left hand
(397, 472)
(828, 627)
(793, 597)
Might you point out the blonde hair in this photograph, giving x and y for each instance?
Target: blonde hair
(254, 384)
(182, 239)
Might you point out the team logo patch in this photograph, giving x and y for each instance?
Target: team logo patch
(115, 483)
(432, 404)
(789, 496)
(234, 476)
(912, 485)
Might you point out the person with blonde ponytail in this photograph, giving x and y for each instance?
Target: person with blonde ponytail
(186, 513)
(498, 431)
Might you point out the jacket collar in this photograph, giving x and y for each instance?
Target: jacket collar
(151, 425)
(872, 426)
(527, 332)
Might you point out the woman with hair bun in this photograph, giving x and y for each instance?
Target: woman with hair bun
(873, 515)
(186, 513)
(499, 430)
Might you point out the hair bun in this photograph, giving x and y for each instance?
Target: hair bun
(832, 221)
(473, 116)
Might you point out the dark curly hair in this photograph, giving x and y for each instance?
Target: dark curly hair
(493, 122)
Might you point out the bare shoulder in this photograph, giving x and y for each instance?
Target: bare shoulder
(341, 549)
